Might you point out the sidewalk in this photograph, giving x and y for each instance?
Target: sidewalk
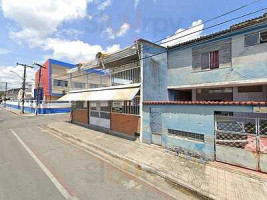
(211, 180)
(18, 112)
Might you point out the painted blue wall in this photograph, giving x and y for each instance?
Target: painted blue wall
(154, 72)
(40, 110)
(248, 63)
(190, 118)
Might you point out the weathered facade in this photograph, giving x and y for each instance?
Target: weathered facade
(54, 79)
(109, 100)
(211, 97)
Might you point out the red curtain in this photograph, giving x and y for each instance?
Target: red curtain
(214, 59)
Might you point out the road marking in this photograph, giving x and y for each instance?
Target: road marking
(54, 180)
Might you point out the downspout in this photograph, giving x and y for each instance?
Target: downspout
(140, 56)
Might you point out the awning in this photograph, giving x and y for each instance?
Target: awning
(102, 95)
(70, 97)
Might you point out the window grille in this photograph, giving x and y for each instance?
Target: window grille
(127, 107)
(188, 135)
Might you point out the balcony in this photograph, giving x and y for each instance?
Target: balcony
(99, 78)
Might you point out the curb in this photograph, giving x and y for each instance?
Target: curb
(18, 113)
(142, 166)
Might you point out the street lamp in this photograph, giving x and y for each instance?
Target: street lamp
(16, 74)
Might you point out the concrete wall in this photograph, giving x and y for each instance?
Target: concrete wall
(80, 116)
(247, 96)
(189, 118)
(247, 62)
(154, 72)
(124, 123)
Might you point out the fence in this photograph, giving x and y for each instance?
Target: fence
(44, 107)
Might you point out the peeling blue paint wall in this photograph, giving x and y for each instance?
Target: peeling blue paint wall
(154, 74)
(189, 118)
(247, 63)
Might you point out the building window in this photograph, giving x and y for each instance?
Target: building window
(263, 36)
(245, 89)
(210, 60)
(255, 38)
(60, 83)
(187, 135)
(79, 104)
(79, 85)
(127, 107)
(251, 39)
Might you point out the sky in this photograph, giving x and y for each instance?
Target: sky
(74, 31)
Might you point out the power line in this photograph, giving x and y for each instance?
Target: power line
(209, 20)
(174, 39)
(233, 19)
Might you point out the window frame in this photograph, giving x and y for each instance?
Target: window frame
(209, 60)
(247, 35)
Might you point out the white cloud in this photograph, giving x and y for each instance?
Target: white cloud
(104, 18)
(4, 51)
(121, 32)
(102, 6)
(69, 32)
(38, 19)
(183, 35)
(136, 3)
(75, 51)
(114, 48)
(13, 79)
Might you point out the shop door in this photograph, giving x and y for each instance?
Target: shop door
(99, 114)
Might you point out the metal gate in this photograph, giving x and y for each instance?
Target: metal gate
(241, 141)
(156, 126)
(99, 114)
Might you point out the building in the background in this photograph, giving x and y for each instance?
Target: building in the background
(13, 94)
(54, 80)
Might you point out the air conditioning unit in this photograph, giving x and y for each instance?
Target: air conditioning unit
(263, 36)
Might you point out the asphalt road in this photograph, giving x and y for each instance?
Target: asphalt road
(37, 165)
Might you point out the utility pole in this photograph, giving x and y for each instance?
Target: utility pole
(38, 87)
(24, 84)
(5, 91)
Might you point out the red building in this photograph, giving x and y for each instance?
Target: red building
(54, 80)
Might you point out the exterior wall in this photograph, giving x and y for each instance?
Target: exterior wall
(80, 116)
(247, 96)
(58, 73)
(189, 118)
(124, 123)
(154, 71)
(44, 107)
(45, 78)
(247, 63)
(52, 68)
(224, 48)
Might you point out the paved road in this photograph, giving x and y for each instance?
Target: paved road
(36, 165)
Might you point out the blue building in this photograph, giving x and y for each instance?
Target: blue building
(207, 97)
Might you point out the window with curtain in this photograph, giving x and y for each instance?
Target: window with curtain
(210, 60)
(214, 59)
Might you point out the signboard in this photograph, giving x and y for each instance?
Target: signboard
(260, 109)
(117, 106)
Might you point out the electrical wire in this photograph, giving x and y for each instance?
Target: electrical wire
(164, 50)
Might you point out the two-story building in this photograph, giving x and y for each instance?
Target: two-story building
(54, 81)
(112, 100)
(215, 106)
